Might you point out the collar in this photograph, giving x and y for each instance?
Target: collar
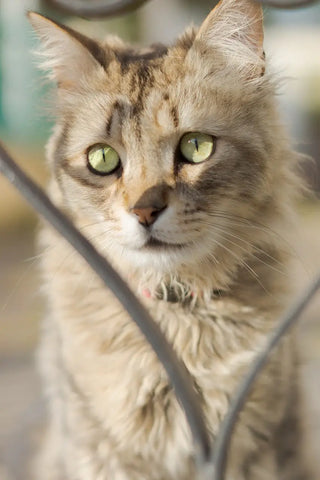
(171, 295)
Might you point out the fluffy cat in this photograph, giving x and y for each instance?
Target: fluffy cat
(173, 162)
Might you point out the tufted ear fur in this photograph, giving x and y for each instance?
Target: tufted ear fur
(68, 55)
(237, 27)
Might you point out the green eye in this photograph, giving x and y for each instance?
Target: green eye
(197, 147)
(102, 159)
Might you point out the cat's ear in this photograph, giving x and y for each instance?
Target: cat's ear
(237, 27)
(67, 54)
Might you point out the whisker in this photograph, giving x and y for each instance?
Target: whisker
(255, 247)
(239, 221)
(214, 258)
(93, 224)
(252, 245)
(71, 252)
(281, 272)
(16, 286)
(243, 263)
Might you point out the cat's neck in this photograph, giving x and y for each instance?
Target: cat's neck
(207, 283)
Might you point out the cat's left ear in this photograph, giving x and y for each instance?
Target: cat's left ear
(67, 55)
(236, 26)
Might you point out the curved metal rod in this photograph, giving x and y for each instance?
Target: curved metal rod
(102, 8)
(97, 9)
(287, 4)
(177, 373)
(222, 444)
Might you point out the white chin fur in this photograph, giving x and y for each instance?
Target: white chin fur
(128, 250)
(160, 260)
(163, 261)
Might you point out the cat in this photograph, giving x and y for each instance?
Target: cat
(173, 161)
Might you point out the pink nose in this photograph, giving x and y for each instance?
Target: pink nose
(147, 215)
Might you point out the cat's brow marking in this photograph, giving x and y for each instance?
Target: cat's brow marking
(128, 57)
(145, 77)
(173, 111)
(174, 116)
(109, 124)
(115, 118)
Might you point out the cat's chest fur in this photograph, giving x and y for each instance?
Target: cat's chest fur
(116, 396)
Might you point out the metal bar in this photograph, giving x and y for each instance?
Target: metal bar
(97, 9)
(175, 369)
(287, 4)
(103, 8)
(222, 444)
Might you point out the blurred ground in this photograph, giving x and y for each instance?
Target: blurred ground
(21, 308)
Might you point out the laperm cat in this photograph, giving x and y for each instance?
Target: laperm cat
(173, 162)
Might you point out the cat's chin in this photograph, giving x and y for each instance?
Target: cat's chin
(187, 272)
(155, 245)
(159, 256)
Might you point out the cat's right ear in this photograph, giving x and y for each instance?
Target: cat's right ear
(67, 55)
(236, 27)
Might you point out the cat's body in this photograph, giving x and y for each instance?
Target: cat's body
(201, 243)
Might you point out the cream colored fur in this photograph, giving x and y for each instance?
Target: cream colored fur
(224, 252)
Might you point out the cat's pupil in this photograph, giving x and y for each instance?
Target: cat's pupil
(195, 141)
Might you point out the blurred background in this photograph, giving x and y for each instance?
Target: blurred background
(293, 45)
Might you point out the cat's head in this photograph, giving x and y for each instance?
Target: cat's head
(170, 155)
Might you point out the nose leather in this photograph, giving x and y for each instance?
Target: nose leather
(148, 215)
(151, 203)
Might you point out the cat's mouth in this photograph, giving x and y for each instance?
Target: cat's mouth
(155, 244)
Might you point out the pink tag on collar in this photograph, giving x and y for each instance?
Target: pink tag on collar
(146, 293)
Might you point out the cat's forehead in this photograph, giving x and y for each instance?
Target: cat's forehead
(137, 73)
(136, 70)
(160, 90)
(129, 57)
(144, 83)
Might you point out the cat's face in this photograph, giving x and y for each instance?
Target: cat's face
(162, 152)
